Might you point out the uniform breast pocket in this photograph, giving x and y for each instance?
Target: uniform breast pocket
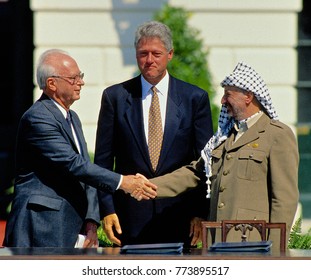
(251, 165)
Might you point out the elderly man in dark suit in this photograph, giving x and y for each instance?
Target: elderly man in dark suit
(55, 196)
(124, 142)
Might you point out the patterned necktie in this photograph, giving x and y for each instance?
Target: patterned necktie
(155, 132)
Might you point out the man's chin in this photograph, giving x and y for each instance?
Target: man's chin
(149, 75)
(151, 78)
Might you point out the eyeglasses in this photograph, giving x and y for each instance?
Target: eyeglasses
(73, 80)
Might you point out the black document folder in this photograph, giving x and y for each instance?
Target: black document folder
(260, 246)
(157, 248)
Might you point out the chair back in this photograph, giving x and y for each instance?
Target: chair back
(244, 226)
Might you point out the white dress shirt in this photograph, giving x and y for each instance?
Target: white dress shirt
(162, 89)
(64, 112)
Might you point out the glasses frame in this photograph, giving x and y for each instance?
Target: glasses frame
(74, 80)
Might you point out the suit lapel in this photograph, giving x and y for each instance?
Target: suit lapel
(49, 104)
(172, 120)
(229, 142)
(78, 129)
(134, 117)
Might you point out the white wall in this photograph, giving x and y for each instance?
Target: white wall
(100, 34)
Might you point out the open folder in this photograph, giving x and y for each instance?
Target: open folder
(260, 246)
(157, 248)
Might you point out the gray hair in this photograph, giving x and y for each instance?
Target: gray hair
(44, 68)
(155, 29)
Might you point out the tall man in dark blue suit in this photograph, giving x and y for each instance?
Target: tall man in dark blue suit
(55, 196)
(122, 143)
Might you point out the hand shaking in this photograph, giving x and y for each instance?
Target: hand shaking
(138, 186)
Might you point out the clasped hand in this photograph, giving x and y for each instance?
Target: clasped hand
(138, 186)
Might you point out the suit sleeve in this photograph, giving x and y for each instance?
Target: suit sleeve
(92, 199)
(203, 129)
(47, 140)
(284, 160)
(181, 180)
(203, 126)
(93, 206)
(104, 150)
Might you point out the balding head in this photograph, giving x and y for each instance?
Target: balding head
(59, 77)
(53, 62)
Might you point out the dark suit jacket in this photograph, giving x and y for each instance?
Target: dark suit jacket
(52, 199)
(121, 142)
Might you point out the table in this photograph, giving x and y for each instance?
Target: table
(113, 253)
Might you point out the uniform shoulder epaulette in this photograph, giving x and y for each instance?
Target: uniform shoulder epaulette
(277, 123)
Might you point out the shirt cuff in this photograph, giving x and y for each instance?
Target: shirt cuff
(121, 178)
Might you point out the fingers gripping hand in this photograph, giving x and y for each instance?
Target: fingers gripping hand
(139, 187)
(141, 193)
(138, 175)
(137, 194)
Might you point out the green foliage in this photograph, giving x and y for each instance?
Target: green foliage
(9, 193)
(91, 155)
(298, 240)
(189, 62)
(102, 238)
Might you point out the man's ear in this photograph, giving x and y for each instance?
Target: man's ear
(50, 84)
(170, 54)
(249, 97)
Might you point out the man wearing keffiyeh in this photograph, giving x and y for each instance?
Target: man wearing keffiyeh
(250, 165)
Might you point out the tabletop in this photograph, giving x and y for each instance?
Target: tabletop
(114, 253)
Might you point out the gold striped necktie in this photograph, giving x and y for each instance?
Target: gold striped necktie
(155, 132)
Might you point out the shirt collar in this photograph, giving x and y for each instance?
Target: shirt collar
(162, 86)
(250, 121)
(63, 111)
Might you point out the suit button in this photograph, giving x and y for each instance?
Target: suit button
(221, 205)
(228, 157)
(226, 172)
(222, 188)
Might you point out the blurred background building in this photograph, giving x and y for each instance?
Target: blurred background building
(272, 36)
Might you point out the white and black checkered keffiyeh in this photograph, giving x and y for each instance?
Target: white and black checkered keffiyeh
(246, 78)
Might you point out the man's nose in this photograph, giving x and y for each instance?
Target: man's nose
(149, 57)
(81, 82)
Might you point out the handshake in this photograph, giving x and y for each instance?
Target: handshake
(138, 186)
